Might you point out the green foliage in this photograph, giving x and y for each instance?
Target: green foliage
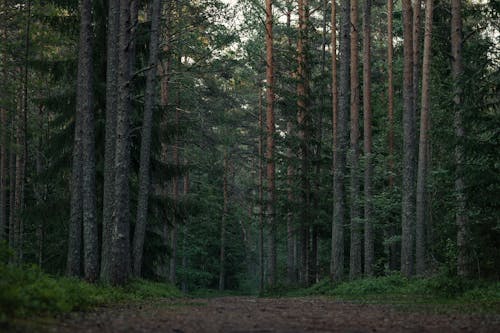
(28, 291)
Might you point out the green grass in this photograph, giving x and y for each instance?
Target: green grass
(28, 291)
(438, 293)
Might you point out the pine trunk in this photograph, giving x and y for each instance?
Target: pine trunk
(457, 70)
(409, 146)
(110, 136)
(356, 226)
(367, 137)
(420, 244)
(147, 125)
(222, 262)
(270, 143)
(342, 139)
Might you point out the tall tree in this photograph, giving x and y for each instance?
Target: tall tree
(339, 174)
(416, 6)
(461, 200)
(392, 248)
(85, 106)
(270, 125)
(302, 120)
(222, 259)
(356, 226)
(110, 136)
(147, 125)
(367, 137)
(120, 238)
(261, 194)
(409, 145)
(423, 147)
(335, 95)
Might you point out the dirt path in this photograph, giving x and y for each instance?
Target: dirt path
(248, 314)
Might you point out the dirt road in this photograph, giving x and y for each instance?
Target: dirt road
(248, 314)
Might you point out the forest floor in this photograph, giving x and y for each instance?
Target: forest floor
(252, 314)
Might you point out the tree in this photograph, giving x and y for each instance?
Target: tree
(120, 238)
(367, 137)
(110, 138)
(270, 125)
(409, 146)
(339, 200)
(423, 147)
(356, 226)
(147, 126)
(461, 200)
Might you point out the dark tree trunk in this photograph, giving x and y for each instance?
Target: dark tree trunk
(423, 147)
(147, 125)
(463, 260)
(270, 143)
(110, 138)
(342, 139)
(367, 128)
(409, 146)
(356, 225)
(222, 259)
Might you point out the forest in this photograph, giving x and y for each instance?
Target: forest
(160, 148)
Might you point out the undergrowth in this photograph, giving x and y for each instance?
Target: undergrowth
(440, 289)
(28, 291)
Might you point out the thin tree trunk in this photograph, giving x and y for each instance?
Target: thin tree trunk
(185, 235)
(110, 136)
(342, 138)
(270, 143)
(356, 226)
(423, 147)
(261, 197)
(3, 173)
(120, 247)
(302, 120)
(409, 146)
(12, 179)
(175, 193)
(147, 125)
(335, 95)
(390, 229)
(367, 128)
(463, 261)
(417, 4)
(222, 261)
(291, 267)
(85, 107)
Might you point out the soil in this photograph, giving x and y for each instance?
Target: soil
(250, 314)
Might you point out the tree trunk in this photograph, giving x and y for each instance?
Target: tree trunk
(335, 95)
(110, 136)
(457, 70)
(270, 143)
(147, 125)
(409, 146)
(290, 240)
(3, 173)
(417, 4)
(12, 179)
(423, 147)
(367, 137)
(302, 120)
(222, 272)
(390, 230)
(175, 194)
(120, 240)
(261, 197)
(356, 226)
(85, 107)
(342, 138)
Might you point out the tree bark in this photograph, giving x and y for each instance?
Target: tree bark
(110, 136)
(422, 172)
(457, 70)
(367, 137)
(85, 107)
(342, 138)
(409, 146)
(261, 196)
(222, 262)
(120, 252)
(147, 125)
(270, 143)
(356, 226)
(302, 120)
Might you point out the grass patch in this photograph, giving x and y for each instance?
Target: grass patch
(28, 291)
(438, 293)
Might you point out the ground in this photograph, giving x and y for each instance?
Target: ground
(251, 314)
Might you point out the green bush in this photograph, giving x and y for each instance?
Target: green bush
(28, 291)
